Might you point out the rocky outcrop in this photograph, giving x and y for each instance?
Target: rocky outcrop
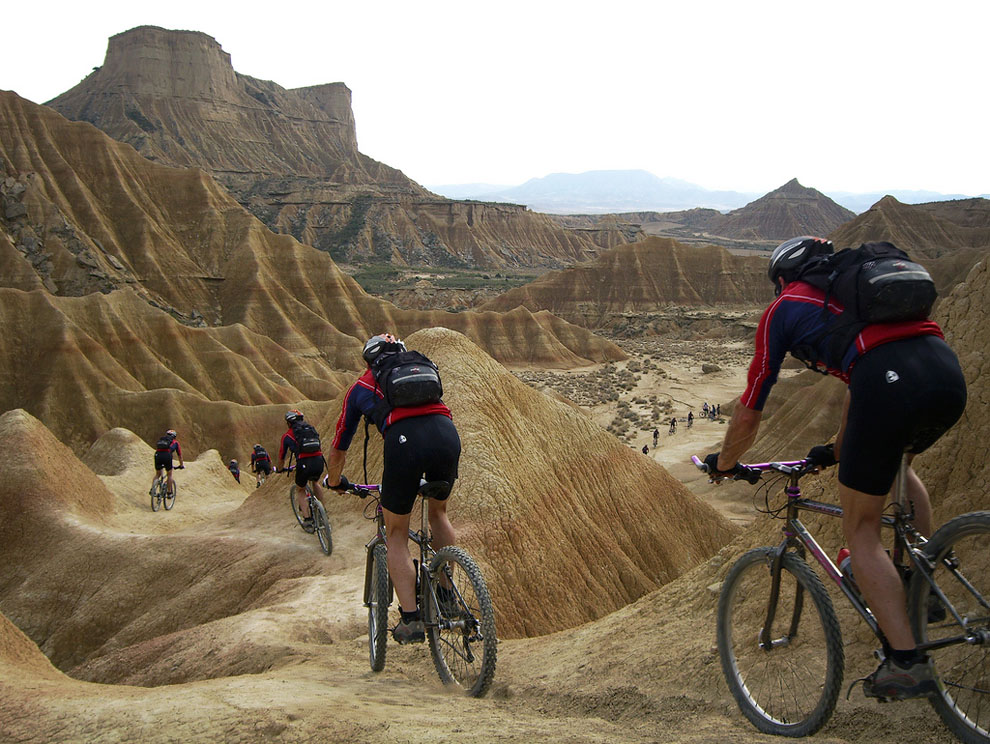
(783, 213)
(291, 158)
(644, 278)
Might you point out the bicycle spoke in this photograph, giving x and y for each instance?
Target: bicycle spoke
(961, 555)
(789, 686)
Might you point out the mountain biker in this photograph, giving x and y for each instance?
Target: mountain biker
(235, 470)
(419, 441)
(164, 447)
(309, 465)
(261, 462)
(905, 389)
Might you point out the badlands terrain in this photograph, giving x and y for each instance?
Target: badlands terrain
(167, 263)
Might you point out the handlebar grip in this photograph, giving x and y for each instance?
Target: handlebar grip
(699, 463)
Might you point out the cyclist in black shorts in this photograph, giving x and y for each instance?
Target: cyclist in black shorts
(261, 462)
(419, 441)
(309, 465)
(164, 447)
(905, 389)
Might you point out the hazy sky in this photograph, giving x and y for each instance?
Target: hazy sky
(844, 96)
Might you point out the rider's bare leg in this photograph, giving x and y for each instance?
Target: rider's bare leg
(302, 502)
(400, 565)
(875, 573)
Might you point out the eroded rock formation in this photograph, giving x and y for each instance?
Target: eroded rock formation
(291, 158)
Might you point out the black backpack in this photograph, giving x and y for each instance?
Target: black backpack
(164, 442)
(406, 378)
(875, 283)
(306, 436)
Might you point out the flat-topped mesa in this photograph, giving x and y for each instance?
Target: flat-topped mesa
(152, 61)
(175, 97)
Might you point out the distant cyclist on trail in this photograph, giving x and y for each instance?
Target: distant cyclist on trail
(235, 470)
(419, 441)
(261, 463)
(656, 437)
(690, 419)
(309, 460)
(905, 389)
(164, 447)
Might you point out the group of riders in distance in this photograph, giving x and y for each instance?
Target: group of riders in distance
(905, 388)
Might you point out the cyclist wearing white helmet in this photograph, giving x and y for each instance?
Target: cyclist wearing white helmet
(419, 441)
(167, 444)
(905, 389)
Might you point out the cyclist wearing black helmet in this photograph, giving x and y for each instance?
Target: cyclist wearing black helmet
(309, 465)
(419, 441)
(905, 389)
(167, 444)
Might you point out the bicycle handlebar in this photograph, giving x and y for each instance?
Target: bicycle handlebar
(787, 467)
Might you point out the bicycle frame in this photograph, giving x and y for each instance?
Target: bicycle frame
(421, 537)
(908, 543)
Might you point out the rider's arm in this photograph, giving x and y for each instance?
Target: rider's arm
(178, 451)
(739, 437)
(335, 464)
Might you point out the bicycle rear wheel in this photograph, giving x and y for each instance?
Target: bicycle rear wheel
(169, 498)
(461, 631)
(960, 551)
(156, 496)
(295, 510)
(379, 598)
(322, 525)
(789, 688)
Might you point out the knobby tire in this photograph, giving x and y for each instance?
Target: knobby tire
(790, 690)
(380, 596)
(962, 670)
(322, 525)
(169, 498)
(462, 636)
(156, 496)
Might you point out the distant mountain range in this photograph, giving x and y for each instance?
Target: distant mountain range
(613, 191)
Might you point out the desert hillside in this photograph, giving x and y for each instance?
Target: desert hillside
(291, 158)
(642, 278)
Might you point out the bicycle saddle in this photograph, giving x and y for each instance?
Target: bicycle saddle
(434, 489)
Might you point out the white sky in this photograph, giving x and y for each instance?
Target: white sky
(845, 95)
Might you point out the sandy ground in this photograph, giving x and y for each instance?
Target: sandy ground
(568, 687)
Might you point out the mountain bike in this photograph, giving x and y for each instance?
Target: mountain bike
(450, 592)
(779, 639)
(319, 523)
(160, 494)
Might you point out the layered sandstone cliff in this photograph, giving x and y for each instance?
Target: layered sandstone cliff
(642, 278)
(291, 158)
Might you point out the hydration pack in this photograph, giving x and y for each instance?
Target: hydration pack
(164, 442)
(306, 436)
(875, 283)
(406, 378)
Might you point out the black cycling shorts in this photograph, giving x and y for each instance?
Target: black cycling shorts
(308, 469)
(415, 448)
(163, 460)
(904, 395)
(263, 466)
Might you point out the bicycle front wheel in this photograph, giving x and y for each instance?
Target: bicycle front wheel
(169, 498)
(789, 685)
(322, 525)
(461, 629)
(960, 552)
(380, 596)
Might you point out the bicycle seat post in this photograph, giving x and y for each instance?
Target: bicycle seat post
(900, 485)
